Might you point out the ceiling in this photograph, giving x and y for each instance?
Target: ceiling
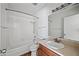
(30, 8)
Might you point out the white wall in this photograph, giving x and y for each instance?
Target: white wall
(58, 20)
(42, 23)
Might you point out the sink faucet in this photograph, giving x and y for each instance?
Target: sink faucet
(58, 40)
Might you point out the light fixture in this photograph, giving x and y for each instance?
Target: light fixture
(34, 4)
(60, 7)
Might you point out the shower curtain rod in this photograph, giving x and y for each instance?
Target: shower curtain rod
(21, 12)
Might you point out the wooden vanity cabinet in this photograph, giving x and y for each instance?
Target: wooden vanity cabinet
(44, 51)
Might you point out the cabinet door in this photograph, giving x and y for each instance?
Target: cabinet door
(41, 53)
(44, 51)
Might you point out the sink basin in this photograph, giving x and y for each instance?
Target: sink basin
(55, 45)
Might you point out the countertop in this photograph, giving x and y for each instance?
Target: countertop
(68, 50)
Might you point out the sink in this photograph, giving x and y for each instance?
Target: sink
(55, 45)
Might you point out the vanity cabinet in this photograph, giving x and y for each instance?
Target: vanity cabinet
(44, 51)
